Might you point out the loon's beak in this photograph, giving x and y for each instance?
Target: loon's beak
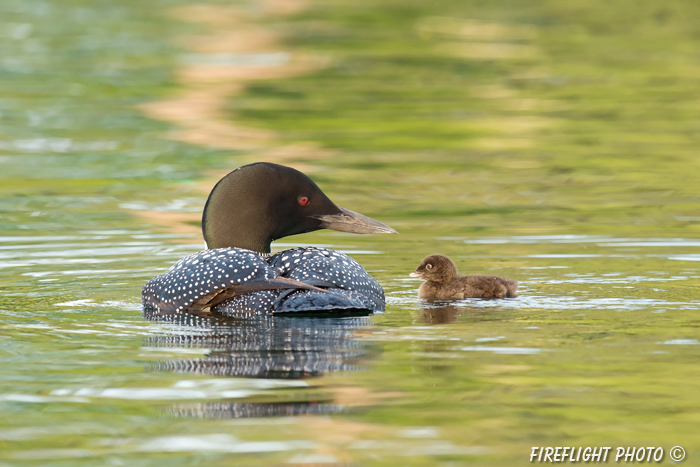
(414, 274)
(353, 222)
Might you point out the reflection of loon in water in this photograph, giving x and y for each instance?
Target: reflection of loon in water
(262, 347)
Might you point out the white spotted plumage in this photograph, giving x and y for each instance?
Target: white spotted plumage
(200, 274)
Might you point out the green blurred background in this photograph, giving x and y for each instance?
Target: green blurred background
(549, 141)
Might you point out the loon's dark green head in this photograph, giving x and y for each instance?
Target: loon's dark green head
(258, 203)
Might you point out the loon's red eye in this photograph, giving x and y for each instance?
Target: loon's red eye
(304, 200)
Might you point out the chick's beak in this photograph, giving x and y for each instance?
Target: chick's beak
(414, 274)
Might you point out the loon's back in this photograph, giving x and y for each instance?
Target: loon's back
(337, 283)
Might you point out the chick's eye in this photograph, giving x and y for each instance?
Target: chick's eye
(304, 200)
(429, 266)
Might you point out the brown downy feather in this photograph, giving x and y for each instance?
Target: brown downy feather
(444, 283)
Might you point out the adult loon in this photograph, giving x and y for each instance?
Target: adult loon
(246, 210)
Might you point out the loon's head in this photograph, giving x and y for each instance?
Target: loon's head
(258, 203)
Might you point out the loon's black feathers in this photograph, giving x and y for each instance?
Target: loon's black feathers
(214, 273)
(204, 273)
(231, 279)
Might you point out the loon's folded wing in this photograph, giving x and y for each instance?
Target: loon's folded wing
(210, 277)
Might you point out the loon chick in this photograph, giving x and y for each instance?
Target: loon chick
(246, 210)
(443, 282)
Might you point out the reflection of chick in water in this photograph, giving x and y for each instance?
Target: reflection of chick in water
(444, 283)
(442, 314)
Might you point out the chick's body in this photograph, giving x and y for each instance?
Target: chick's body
(444, 283)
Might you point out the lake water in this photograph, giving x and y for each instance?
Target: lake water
(551, 142)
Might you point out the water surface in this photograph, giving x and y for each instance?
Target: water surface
(551, 143)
